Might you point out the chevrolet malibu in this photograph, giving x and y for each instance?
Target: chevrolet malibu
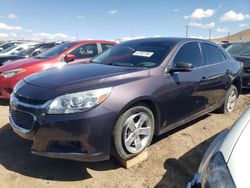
(226, 162)
(123, 97)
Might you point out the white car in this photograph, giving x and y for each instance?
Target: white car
(226, 163)
(16, 48)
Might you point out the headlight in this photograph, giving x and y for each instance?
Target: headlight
(217, 173)
(8, 74)
(78, 102)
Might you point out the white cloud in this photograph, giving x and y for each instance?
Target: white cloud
(176, 10)
(12, 16)
(3, 35)
(198, 37)
(51, 36)
(129, 38)
(9, 27)
(28, 30)
(233, 16)
(243, 25)
(81, 17)
(157, 36)
(200, 13)
(222, 29)
(13, 34)
(202, 26)
(113, 12)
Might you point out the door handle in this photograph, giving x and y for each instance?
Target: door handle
(203, 79)
(228, 71)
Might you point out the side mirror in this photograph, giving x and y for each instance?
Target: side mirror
(35, 53)
(69, 58)
(181, 67)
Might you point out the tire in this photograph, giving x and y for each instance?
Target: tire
(226, 107)
(133, 132)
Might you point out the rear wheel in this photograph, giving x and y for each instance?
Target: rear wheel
(133, 131)
(230, 100)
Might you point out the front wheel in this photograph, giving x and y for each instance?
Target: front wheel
(133, 131)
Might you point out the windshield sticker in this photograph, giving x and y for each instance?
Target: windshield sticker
(143, 54)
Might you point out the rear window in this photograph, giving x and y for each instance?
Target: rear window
(234, 49)
(136, 54)
(106, 46)
(212, 53)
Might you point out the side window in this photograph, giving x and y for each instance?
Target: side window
(189, 53)
(106, 46)
(85, 51)
(223, 57)
(212, 54)
(19, 49)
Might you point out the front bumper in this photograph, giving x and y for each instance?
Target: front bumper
(81, 136)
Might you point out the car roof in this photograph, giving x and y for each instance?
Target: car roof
(169, 39)
(94, 41)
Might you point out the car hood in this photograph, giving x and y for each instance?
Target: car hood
(79, 77)
(22, 63)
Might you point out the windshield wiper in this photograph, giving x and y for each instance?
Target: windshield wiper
(121, 64)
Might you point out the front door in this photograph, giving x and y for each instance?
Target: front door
(186, 96)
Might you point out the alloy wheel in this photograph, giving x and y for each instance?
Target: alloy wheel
(136, 132)
(232, 97)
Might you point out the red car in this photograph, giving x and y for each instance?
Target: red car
(70, 52)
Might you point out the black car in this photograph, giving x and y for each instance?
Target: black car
(32, 51)
(241, 52)
(123, 97)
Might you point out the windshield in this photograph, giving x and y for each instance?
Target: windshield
(136, 54)
(25, 51)
(238, 49)
(56, 50)
(8, 49)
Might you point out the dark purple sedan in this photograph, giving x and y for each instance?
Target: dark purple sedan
(123, 97)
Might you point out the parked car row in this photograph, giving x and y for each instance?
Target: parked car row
(26, 51)
(68, 52)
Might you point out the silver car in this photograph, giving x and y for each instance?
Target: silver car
(226, 163)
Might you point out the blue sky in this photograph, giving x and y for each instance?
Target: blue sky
(113, 19)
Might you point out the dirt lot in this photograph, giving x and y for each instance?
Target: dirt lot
(173, 158)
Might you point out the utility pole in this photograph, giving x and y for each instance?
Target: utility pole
(209, 34)
(187, 29)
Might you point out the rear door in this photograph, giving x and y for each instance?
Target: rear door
(218, 70)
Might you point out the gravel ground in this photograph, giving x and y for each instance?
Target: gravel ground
(173, 158)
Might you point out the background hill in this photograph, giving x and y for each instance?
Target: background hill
(240, 36)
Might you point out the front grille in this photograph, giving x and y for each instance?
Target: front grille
(28, 100)
(23, 119)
